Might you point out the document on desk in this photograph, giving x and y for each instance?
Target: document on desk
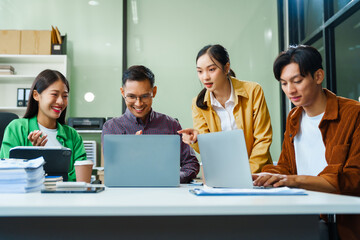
(21, 176)
(206, 191)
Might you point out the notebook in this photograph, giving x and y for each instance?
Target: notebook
(141, 160)
(57, 159)
(225, 160)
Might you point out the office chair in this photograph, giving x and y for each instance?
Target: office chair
(5, 119)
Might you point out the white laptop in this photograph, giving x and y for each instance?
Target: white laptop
(141, 160)
(225, 160)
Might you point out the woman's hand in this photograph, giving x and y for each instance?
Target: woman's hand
(189, 135)
(36, 139)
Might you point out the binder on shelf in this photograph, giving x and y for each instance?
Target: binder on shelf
(27, 95)
(20, 97)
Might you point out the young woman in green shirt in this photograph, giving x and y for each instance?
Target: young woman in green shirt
(44, 121)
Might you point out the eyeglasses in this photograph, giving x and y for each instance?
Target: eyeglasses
(143, 98)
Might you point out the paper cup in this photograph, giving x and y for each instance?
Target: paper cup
(83, 170)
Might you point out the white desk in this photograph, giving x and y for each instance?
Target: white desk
(158, 213)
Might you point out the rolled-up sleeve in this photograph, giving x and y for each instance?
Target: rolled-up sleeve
(188, 162)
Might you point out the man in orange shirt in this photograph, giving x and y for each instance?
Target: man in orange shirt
(321, 148)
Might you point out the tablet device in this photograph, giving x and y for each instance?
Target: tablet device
(57, 159)
(73, 190)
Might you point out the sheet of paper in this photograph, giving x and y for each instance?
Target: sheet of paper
(206, 191)
(20, 163)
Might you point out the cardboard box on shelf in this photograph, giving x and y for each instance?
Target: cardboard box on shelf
(9, 42)
(35, 42)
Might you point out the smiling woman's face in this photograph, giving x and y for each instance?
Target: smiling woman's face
(52, 101)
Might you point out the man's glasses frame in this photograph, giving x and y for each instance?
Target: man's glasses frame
(143, 98)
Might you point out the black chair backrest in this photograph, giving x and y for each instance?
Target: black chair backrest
(5, 119)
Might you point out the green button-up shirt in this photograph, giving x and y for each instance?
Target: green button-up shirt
(16, 134)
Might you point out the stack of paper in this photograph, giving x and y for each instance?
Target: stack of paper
(20, 176)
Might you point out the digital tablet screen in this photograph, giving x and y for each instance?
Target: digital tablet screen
(73, 190)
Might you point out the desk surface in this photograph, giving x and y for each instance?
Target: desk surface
(170, 202)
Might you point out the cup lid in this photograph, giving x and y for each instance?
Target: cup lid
(83, 162)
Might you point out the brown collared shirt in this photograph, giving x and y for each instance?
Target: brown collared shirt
(340, 130)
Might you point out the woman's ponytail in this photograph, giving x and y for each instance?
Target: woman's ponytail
(200, 100)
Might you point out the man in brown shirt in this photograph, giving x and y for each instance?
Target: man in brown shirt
(321, 148)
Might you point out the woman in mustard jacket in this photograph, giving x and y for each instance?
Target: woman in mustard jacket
(226, 104)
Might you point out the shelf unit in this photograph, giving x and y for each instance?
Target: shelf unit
(27, 67)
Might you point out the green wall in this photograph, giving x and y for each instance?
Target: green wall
(94, 46)
(165, 36)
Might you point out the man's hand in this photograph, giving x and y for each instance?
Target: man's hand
(313, 183)
(189, 135)
(36, 139)
(276, 180)
(140, 132)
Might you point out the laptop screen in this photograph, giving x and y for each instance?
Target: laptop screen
(225, 160)
(142, 160)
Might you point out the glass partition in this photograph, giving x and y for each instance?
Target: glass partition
(339, 4)
(319, 45)
(347, 57)
(313, 16)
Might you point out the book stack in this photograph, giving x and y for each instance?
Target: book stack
(21, 176)
(50, 181)
(6, 70)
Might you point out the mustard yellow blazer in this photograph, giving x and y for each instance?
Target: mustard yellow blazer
(251, 114)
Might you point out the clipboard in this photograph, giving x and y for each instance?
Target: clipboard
(73, 190)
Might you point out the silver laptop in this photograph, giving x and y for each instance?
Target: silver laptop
(142, 160)
(225, 160)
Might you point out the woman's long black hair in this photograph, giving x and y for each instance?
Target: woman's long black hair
(220, 54)
(42, 82)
